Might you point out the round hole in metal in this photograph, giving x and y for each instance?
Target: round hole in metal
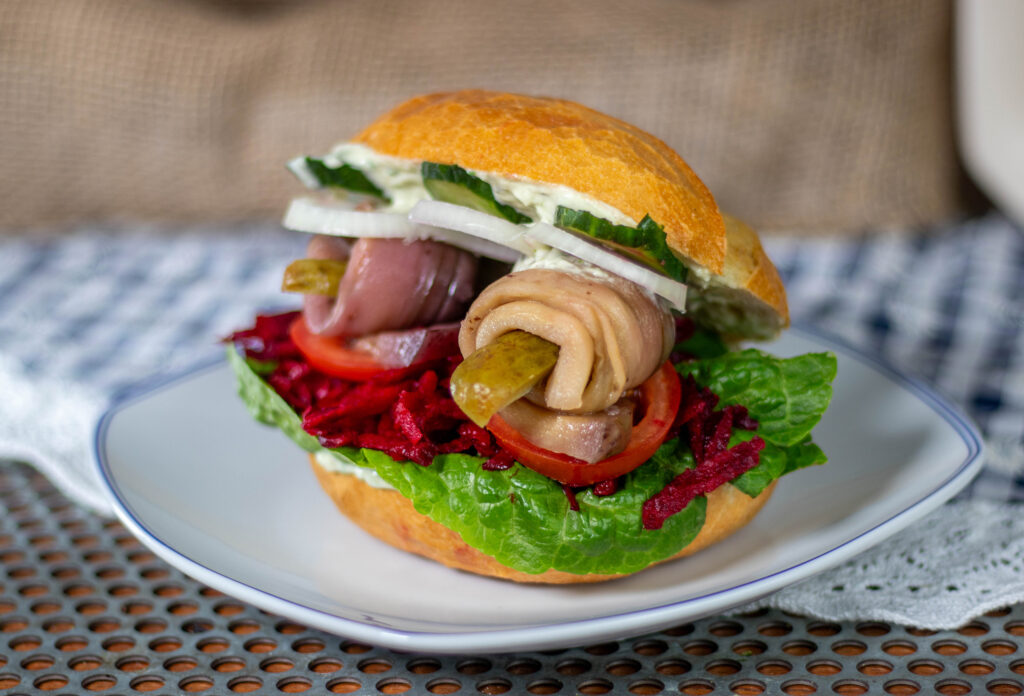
(617, 668)
(182, 664)
(953, 687)
(824, 668)
(673, 667)
(443, 686)
(697, 687)
(326, 665)
(650, 647)
(901, 687)
(999, 647)
(229, 664)
(374, 666)
(518, 667)
(799, 648)
(774, 668)
(296, 685)
(195, 684)
(850, 687)
(473, 666)
(132, 663)
(84, 663)
(574, 667)
(1004, 687)
(722, 668)
(394, 685)
(503, 686)
(725, 629)
(245, 685)
(646, 687)
(700, 647)
(799, 687)
(276, 665)
(344, 685)
(544, 687)
(747, 687)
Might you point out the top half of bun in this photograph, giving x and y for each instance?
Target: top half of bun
(555, 141)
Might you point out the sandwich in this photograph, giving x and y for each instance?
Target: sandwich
(522, 346)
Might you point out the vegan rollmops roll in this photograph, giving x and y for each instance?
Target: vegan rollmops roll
(518, 352)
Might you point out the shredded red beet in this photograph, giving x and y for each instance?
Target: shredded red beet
(268, 338)
(701, 480)
(412, 417)
(709, 432)
(408, 416)
(571, 495)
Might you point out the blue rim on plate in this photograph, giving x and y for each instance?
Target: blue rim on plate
(569, 632)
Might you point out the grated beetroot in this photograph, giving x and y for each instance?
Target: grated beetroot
(708, 434)
(409, 416)
(268, 339)
(412, 417)
(571, 495)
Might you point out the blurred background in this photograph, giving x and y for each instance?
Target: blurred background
(800, 115)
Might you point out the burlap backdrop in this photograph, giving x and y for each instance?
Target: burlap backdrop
(801, 114)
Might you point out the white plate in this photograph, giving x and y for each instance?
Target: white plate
(234, 505)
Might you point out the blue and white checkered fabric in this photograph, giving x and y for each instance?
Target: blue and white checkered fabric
(947, 308)
(93, 311)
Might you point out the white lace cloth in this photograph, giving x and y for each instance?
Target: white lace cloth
(86, 315)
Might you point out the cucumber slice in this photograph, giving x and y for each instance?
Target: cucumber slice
(645, 243)
(346, 177)
(453, 184)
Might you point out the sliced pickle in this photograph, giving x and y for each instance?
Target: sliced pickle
(313, 276)
(501, 372)
(453, 184)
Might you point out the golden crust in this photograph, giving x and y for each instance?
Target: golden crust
(747, 267)
(559, 142)
(391, 517)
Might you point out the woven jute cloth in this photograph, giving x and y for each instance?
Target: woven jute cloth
(798, 114)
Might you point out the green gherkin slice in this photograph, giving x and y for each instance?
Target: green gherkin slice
(346, 177)
(645, 243)
(313, 276)
(453, 184)
(501, 372)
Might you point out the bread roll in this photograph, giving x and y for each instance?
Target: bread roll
(391, 517)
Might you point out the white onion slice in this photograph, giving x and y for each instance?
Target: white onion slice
(473, 222)
(528, 238)
(338, 219)
(591, 251)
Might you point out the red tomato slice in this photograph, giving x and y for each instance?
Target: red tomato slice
(659, 395)
(331, 356)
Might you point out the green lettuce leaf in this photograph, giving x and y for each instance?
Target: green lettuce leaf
(774, 462)
(523, 519)
(517, 516)
(787, 396)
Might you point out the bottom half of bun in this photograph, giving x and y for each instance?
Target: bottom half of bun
(391, 517)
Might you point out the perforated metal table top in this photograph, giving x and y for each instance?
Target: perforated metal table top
(85, 608)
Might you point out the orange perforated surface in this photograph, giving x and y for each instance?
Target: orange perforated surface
(85, 608)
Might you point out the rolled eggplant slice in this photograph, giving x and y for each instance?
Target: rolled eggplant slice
(390, 285)
(611, 334)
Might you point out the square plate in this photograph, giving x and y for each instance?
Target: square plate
(233, 504)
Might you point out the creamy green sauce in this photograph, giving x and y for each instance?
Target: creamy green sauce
(401, 179)
(336, 463)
